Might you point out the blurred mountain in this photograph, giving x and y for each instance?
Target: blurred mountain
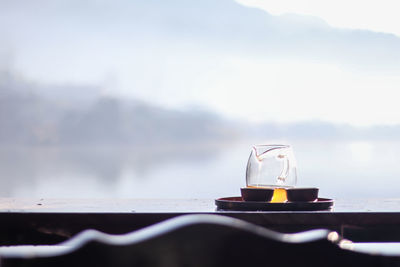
(32, 118)
(159, 49)
(61, 29)
(320, 130)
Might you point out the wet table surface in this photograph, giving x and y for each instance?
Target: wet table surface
(41, 224)
(173, 206)
(362, 220)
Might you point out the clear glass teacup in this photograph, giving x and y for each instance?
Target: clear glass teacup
(272, 166)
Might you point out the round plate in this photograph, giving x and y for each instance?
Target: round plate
(237, 203)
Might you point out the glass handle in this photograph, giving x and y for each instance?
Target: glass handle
(281, 180)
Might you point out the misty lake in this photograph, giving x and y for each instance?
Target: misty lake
(341, 169)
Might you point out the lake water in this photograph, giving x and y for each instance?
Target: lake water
(341, 169)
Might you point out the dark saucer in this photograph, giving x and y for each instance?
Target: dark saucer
(257, 194)
(238, 204)
(304, 194)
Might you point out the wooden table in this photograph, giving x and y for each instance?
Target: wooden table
(49, 221)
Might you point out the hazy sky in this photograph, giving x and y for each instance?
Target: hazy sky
(380, 16)
(359, 98)
(243, 62)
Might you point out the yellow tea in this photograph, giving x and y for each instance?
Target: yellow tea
(279, 195)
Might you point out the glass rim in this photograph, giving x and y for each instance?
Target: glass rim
(272, 145)
(270, 148)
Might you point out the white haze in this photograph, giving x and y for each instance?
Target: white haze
(293, 68)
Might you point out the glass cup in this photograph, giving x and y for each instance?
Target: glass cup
(272, 166)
